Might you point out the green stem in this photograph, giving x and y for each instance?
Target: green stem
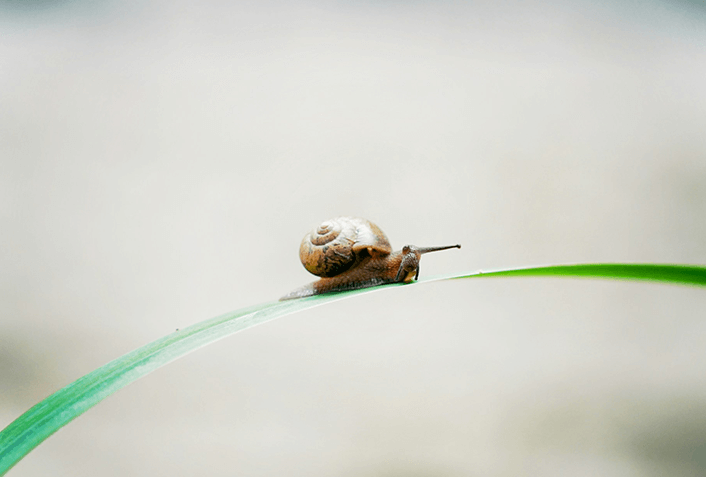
(42, 420)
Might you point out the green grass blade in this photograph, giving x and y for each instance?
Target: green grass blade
(45, 418)
(678, 274)
(34, 426)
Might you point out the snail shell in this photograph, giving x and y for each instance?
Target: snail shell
(338, 244)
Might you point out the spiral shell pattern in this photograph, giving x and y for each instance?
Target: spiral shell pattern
(337, 244)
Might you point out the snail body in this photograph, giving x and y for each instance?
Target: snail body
(350, 253)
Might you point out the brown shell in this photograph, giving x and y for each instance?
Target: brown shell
(337, 244)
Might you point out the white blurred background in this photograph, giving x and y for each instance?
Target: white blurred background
(161, 160)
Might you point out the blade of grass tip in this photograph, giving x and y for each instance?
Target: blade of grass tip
(678, 274)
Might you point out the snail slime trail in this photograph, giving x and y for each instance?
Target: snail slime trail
(350, 253)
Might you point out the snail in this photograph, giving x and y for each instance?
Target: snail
(350, 253)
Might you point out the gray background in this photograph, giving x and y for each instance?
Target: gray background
(161, 160)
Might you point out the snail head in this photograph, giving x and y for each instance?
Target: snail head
(411, 255)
